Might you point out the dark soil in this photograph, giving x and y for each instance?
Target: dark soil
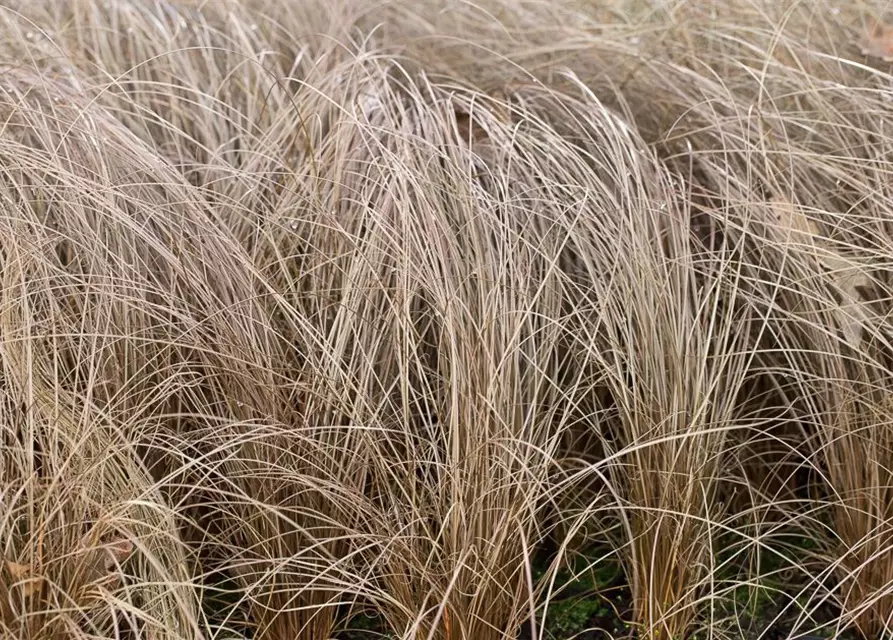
(611, 616)
(597, 605)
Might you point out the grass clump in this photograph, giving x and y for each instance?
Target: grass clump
(317, 309)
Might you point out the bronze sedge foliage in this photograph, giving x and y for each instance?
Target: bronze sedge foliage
(358, 304)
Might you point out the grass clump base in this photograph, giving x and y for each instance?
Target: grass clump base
(472, 321)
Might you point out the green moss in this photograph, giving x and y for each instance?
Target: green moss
(366, 622)
(566, 618)
(582, 579)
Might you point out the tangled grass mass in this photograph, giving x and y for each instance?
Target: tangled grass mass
(446, 319)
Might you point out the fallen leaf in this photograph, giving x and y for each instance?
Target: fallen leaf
(792, 220)
(21, 573)
(102, 561)
(116, 552)
(878, 42)
(17, 570)
(846, 274)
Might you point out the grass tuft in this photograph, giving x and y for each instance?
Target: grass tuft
(317, 312)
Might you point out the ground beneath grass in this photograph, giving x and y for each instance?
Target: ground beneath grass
(590, 611)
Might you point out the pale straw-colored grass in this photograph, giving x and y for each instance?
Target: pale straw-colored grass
(309, 308)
